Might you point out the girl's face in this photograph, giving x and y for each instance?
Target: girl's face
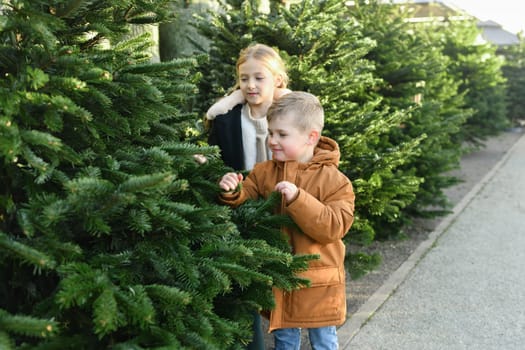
(256, 82)
(288, 142)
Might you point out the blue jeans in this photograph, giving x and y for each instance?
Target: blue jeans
(324, 338)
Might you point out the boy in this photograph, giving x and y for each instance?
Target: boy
(320, 200)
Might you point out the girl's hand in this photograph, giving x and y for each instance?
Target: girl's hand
(230, 181)
(288, 189)
(199, 158)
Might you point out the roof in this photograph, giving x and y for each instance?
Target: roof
(444, 11)
(494, 33)
(436, 9)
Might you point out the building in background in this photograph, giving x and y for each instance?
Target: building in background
(492, 32)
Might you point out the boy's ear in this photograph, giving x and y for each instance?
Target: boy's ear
(313, 137)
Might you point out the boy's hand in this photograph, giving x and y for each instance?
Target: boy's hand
(230, 181)
(288, 189)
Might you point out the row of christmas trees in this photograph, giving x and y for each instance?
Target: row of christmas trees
(401, 98)
(109, 230)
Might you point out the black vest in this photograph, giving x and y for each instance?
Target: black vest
(226, 132)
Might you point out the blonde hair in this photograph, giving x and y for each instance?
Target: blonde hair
(268, 57)
(305, 109)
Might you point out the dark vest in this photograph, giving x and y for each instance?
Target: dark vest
(226, 132)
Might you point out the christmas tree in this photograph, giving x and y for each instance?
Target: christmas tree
(514, 72)
(410, 62)
(109, 230)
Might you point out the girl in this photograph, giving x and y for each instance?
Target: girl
(238, 121)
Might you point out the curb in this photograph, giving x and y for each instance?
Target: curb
(354, 324)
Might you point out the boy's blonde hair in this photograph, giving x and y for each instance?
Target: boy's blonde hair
(268, 57)
(305, 109)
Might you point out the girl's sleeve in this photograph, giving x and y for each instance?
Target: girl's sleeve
(225, 104)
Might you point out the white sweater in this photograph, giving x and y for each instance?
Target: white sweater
(254, 134)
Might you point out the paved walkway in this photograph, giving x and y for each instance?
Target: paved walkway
(463, 288)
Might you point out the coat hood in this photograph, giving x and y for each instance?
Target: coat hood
(326, 152)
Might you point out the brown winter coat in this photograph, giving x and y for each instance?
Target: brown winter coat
(324, 211)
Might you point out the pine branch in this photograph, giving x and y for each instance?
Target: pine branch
(137, 305)
(26, 325)
(6, 342)
(26, 254)
(143, 183)
(105, 313)
(78, 284)
(169, 298)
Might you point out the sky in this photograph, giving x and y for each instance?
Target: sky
(510, 14)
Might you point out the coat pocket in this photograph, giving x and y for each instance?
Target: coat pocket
(323, 301)
(323, 276)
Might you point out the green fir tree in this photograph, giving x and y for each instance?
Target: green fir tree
(109, 230)
(478, 69)
(514, 72)
(410, 61)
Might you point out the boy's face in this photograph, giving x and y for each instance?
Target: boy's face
(256, 82)
(288, 142)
